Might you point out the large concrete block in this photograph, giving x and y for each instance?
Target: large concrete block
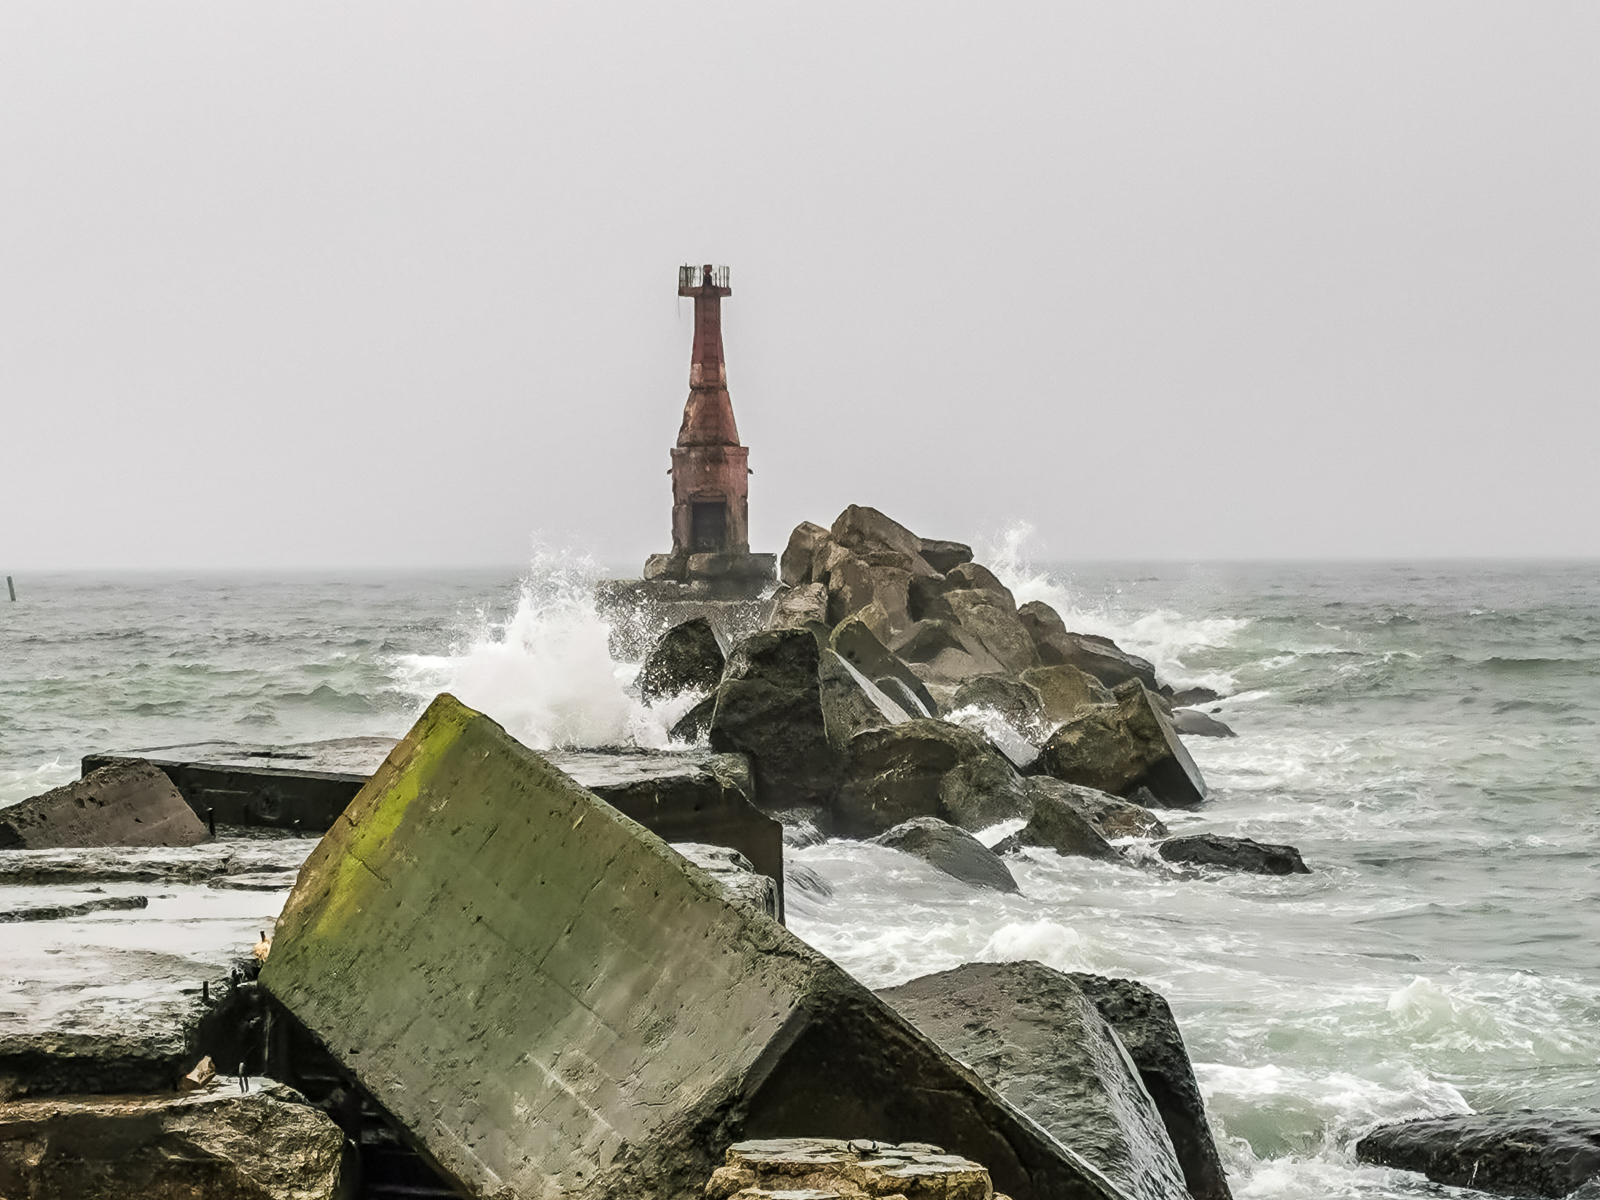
(262, 796)
(126, 804)
(554, 1003)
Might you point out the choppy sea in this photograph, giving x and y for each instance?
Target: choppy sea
(1427, 734)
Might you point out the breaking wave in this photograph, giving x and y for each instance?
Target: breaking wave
(1163, 636)
(545, 672)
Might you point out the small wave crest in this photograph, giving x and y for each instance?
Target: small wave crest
(1163, 636)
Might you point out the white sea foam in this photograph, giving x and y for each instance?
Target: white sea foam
(1162, 636)
(546, 672)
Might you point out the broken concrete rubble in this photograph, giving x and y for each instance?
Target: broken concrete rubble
(837, 1169)
(268, 1144)
(550, 1000)
(125, 804)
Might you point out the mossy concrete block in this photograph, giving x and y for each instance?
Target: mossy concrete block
(553, 1002)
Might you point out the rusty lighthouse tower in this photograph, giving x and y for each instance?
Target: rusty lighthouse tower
(710, 469)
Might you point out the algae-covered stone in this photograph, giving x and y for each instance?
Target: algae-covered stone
(552, 1002)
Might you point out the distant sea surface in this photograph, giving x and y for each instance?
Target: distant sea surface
(1428, 735)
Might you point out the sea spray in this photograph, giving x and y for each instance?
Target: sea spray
(1163, 636)
(546, 672)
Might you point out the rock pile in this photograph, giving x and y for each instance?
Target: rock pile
(855, 705)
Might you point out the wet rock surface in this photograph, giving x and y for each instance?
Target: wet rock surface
(1123, 747)
(1059, 824)
(1032, 1034)
(925, 768)
(1233, 854)
(687, 658)
(769, 707)
(954, 851)
(1150, 1034)
(126, 804)
(109, 999)
(839, 1169)
(1112, 817)
(1532, 1152)
(267, 1144)
(735, 874)
(1198, 724)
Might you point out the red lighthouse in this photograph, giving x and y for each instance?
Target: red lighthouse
(710, 471)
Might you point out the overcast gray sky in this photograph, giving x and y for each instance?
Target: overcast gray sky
(379, 284)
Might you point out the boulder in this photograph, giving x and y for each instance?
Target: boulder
(1064, 692)
(685, 796)
(1032, 1035)
(1199, 724)
(943, 651)
(835, 1169)
(794, 567)
(901, 693)
(977, 577)
(1017, 703)
(1122, 747)
(687, 658)
(954, 851)
(1530, 1152)
(1114, 818)
(853, 641)
(863, 529)
(986, 616)
(925, 768)
(769, 706)
(695, 724)
(267, 1144)
(1058, 824)
(1144, 1022)
(876, 591)
(1090, 653)
(1189, 697)
(800, 606)
(130, 803)
(852, 703)
(1233, 854)
(552, 1002)
(942, 556)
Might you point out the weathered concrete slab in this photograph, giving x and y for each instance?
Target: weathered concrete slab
(109, 1000)
(266, 797)
(553, 1002)
(685, 796)
(121, 804)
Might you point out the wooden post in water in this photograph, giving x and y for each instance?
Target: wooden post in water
(12, 588)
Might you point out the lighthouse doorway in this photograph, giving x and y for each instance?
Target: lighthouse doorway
(708, 526)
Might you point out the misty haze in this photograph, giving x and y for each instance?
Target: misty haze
(710, 600)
